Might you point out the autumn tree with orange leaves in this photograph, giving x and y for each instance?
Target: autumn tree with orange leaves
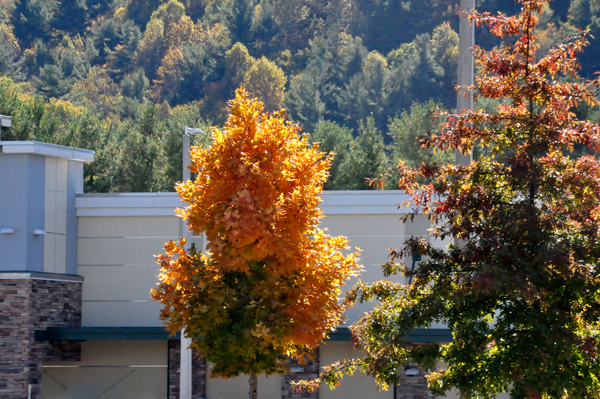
(521, 293)
(270, 285)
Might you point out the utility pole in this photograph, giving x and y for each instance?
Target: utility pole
(466, 68)
(185, 366)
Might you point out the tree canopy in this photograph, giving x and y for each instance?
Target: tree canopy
(333, 61)
(518, 284)
(270, 284)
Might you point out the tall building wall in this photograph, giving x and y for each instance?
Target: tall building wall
(39, 285)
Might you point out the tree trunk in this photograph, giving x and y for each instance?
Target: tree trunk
(253, 394)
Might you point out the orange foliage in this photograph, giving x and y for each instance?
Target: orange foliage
(256, 198)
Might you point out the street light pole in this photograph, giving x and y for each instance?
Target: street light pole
(185, 367)
(466, 68)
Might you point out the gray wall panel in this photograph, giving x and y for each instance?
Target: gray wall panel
(13, 211)
(22, 180)
(36, 180)
(74, 186)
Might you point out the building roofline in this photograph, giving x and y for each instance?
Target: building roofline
(53, 150)
(164, 204)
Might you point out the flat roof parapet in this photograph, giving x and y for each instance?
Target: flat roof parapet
(52, 150)
(368, 202)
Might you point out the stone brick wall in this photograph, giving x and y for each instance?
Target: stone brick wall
(27, 305)
(412, 386)
(198, 372)
(306, 371)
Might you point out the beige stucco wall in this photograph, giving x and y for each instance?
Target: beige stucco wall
(352, 386)
(134, 370)
(453, 393)
(118, 240)
(374, 234)
(116, 258)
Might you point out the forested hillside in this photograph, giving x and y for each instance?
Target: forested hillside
(124, 77)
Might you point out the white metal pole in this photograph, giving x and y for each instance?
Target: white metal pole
(185, 367)
(466, 67)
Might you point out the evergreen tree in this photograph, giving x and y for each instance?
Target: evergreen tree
(104, 37)
(135, 168)
(121, 56)
(31, 19)
(333, 139)
(304, 100)
(52, 82)
(585, 13)
(135, 85)
(140, 11)
(11, 60)
(407, 130)
(366, 95)
(71, 16)
(366, 159)
(334, 58)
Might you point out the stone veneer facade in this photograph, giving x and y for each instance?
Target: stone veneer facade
(198, 372)
(408, 387)
(309, 370)
(27, 305)
(413, 386)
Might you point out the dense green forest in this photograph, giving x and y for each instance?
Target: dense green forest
(123, 77)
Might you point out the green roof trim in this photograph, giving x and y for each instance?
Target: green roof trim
(104, 333)
(442, 335)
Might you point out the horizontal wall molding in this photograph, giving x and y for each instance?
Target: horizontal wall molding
(164, 204)
(40, 276)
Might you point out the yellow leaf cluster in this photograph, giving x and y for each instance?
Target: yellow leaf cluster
(266, 81)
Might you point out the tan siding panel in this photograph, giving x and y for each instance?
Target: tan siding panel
(354, 386)
(350, 225)
(118, 282)
(130, 226)
(418, 226)
(84, 382)
(119, 251)
(121, 314)
(374, 249)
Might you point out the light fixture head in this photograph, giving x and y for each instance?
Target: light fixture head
(5, 121)
(193, 131)
(39, 232)
(7, 230)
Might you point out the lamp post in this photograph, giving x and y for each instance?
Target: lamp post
(5, 121)
(185, 367)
